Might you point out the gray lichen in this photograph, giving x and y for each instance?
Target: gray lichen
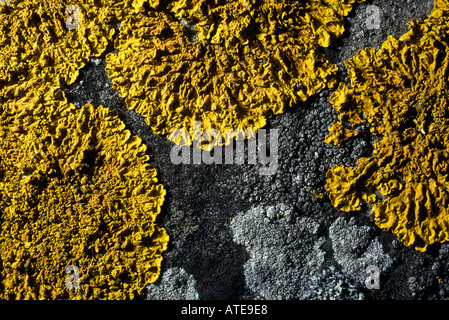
(355, 248)
(175, 284)
(285, 251)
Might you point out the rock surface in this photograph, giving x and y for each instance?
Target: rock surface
(237, 234)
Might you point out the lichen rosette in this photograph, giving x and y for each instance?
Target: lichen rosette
(401, 90)
(43, 44)
(75, 190)
(228, 64)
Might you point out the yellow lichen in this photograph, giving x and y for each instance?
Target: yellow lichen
(242, 62)
(75, 190)
(402, 91)
(339, 134)
(318, 195)
(44, 43)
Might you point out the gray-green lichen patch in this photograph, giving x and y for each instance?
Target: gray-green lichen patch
(287, 255)
(175, 284)
(285, 251)
(355, 248)
(332, 284)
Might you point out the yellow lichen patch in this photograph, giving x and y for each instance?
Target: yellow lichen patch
(340, 184)
(229, 64)
(402, 91)
(339, 134)
(45, 43)
(75, 190)
(318, 195)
